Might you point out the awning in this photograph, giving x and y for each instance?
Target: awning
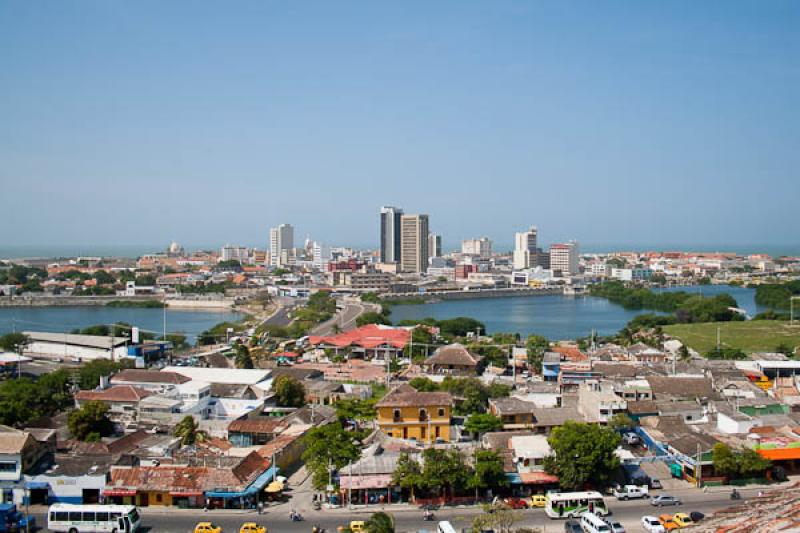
(371, 481)
(275, 486)
(260, 482)
(33, 485)
(537, 478)
(119, 492)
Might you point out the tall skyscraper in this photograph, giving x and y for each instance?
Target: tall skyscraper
(525, 249)
(434, 245)
(564, 258)
(390, 234)
(281, 244)
(414, 243)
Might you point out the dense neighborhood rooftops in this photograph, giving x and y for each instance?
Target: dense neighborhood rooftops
(406, 396)
(257, 425)
(681, 386)
(511, 406)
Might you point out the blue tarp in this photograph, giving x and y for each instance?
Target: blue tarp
(513, 478)
(259, 483)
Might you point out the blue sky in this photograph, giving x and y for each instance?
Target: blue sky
(674, 123)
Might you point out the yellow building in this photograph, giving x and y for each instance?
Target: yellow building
(405, 413)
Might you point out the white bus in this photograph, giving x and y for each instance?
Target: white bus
(572, 504)
(93, 518)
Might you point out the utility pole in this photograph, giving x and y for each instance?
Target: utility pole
(350, 486)
(698, 474)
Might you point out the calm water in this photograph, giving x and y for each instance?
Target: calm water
(64, 319)
(555, 317)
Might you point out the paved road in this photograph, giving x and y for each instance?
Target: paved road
(345, 318)
(409, 520)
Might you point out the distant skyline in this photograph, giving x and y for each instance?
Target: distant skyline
(606, 122)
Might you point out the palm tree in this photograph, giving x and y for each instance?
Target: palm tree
(380, 523)
(189, 431)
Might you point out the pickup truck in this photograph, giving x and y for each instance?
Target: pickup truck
(629, 492)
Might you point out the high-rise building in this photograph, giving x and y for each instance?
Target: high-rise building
(481, 247)
(281, 244)
(321, 254)
(414, 243)
(390, 234)
(434, 245)
(525, 252)
(564, 258)
(234, 253)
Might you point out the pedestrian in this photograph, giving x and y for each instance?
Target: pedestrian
(260, 507)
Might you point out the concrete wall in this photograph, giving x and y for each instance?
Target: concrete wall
(51, 349)
(64, 489)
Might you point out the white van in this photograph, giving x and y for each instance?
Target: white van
(591, 523)
(445, 527)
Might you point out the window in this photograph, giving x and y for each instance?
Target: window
(114, 516)
(102, 517)
(397, 414)
(61, 516)
(8, 466)
(158, 497)
(74, 516)
(441, 412)
(88, 517)
(423, 414)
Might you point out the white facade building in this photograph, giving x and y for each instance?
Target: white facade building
(234, 253)
(525, 253)
(564, 258)
(281, 245)
(321, 254)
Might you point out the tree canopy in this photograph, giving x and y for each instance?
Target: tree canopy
(582, 454)
(90, 423)
(480, 423)
(289, 392)
(189, 432)
(328, 443)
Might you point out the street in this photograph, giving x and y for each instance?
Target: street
(409, 519)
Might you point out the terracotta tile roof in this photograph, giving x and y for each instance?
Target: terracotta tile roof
(399, 398)
(570, 353)
(453, 354)
(257, 425)
(117, 393)
(132, 375)
(276, 445)
(369, 336)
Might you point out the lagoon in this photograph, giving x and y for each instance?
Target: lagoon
(556, 317)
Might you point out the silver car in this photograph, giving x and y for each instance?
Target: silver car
(664, 499)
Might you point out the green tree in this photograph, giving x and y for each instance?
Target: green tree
(684, 354)
(11, 341)
(536, 346)
(243, 358)
(355, 409)
(444, 471)
(188, 430)
(724, 460)
(480, 423)
(496, 517)
(408, 474)
(328, 443)
(752, 464)
(289, 392)
(104, 278)
(90, 422)
(621, 421)
(785, 349)
(423, 384)
(90, 373)
(372, 317)
(380, 522)
(488, 472)
(582, 453)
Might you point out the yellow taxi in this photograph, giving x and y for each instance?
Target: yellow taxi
(252, 527)
(668, 523)
(207, 527)
(358, 526)
(683, 520)
(538, 500)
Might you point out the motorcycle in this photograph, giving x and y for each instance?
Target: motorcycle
(295, 517)
(735, 495)
(317, 505)
(428, 516)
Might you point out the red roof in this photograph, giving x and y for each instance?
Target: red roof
(570, 353)
(369, 336)
(117, 393)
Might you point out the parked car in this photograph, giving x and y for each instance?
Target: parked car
(252, 527)
(652, 525)
(696, 516)
(655, 483)
(516, 503)
(207, 527)
(664, 499)
(358, 526)
(572, 526)
(614, 525)
(667, 521)
(631, 439)
(538, 500)
(629, 492)
(683, 520)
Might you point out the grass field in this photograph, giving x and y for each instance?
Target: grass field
(750, 336)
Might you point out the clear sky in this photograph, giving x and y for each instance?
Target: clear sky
(208, 122)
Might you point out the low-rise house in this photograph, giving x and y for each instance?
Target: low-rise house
(644, 354)
(151, 380)
(19, 453)
(453, 360)
(598, 402)
(544, 419)
(681, 387)
(529, 453)
(633, 390)
(122, 400)
(514, 412)
(372, 341)
(551, 366)
(254, 431)
(369, 480)
(405, 413)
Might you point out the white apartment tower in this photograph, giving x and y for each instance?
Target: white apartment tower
(414, 243)
(234, 253)
(481, 247)
(525, 253)
(281, 244)
(434, 245)
(564, 258)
